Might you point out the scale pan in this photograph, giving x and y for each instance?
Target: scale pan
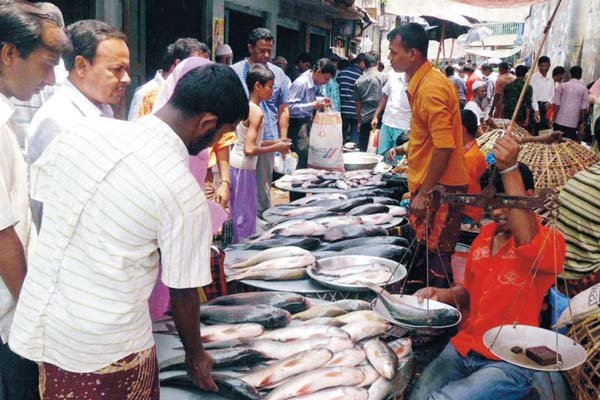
(524, 336)
(378, 306)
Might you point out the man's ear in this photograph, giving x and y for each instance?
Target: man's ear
(205, 123)
(8, 54)
(81, 65)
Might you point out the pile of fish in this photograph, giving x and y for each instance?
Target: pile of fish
(320, 179)
(352, 271)
(278, 263)
(324, 352)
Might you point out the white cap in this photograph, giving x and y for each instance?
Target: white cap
(224, 50)
(478, 84)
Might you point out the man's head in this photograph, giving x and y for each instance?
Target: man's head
(371, 59)
(468, 69)
(558, 73)
(304, 61)
(576, 72)
(544, 65)
(449, 71)
(408, 47)
(260, 45)
(209, 101)
(480, 89)
(260, 80)
(189, 47)
(32, 40)
(486, 69)
(500, 215)
(503, 67)
(224, 54)
(521, 71)
(469, 124)
(335, 59)
(323, 71)
(98, 65)
(281, 62)
(359, 61)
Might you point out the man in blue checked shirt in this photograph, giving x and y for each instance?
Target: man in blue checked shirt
(276, 111)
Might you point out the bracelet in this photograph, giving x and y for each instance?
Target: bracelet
(509, 169)
(226, 181)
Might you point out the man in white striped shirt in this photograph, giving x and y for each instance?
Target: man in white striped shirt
(114, 193)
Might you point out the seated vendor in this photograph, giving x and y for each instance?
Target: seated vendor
(512, 264)
(474, 161)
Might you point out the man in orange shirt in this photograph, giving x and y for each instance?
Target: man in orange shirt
(470, 81)
(510, 268)
(474, 162)
(436, 150)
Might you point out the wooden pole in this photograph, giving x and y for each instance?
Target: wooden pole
(529, 75)
(452, 48)
(437, 60)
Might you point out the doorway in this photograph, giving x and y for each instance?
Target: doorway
(239, 25)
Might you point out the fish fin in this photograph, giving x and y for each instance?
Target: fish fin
(265, 382)
(291, 363)
(207, 338)
(306, 389)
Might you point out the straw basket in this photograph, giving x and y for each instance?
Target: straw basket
(554, 164)
(585, 379)
(488, 139)
(503, 124)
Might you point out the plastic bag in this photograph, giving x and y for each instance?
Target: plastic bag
(325, 142)
(287, 165)
(373, 141)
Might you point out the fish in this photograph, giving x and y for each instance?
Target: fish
(370, 375)
(404, 375)
(219, 333)
(301, 228)
(271, 254)
(402, 347)
(344, 232)
(397, 211)
(386, 201)
(337, 393)
(304, 332)
(340, 184)
(329, 321)
(365, 329)
(325, 310)
(387, 251)
(347, 205)
(291, 302)
(381, 357)
(222, 357)
(267, 316)
(298, 178)
(338, 220)
(295, 364)
(366, 241)
(350, 305)
(393, 193)
(315, 380)
(298, 211)
(219, 345)
(353, 269)
(318, 197)
(270, 275)
(376, 276)
(324, 254)
(347, 358)
(376, 219)
(311, 216)
(305, 242)
(415, 316)
(229, 387)
(358, 316)
(381, 389)
(367, 209)
(276, 350)
(283, 263)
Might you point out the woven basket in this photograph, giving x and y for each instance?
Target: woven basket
(554, 164)
(585, 379)
(502, 123)
(488, 139)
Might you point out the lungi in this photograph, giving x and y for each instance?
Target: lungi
(243, 202)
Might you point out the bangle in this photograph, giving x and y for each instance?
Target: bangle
(509, 169)
(226, 181)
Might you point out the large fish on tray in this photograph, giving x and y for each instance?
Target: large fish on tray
(387, 251)
(302, 332)
(365, 241)
(347, 205)
(271, 254)
(279, 350)
(305, 242)
(316, 380)
(229, 387)
(310, 216)
(281, 263)
(408, 314)
(267, 316)
(344, 232)
(220, 333)
(376, 219)
(270, 275)
(368, 209)
(291, 302)
(317, 197)
(293, 228)
(337, 393)
(235, 356)
(337, 220)
(381, 357)
(323, 310)
(295, 364)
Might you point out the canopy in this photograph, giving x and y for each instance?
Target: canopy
(504, 53)
(457, 52)
(450, 10)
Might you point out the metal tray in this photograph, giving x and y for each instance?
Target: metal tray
(288, 187)
(399, 273)
(509, 336)
(300, 286)
(378, 307)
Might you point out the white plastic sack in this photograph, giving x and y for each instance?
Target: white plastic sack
(583, 305)
(326, 141)
(287, 165)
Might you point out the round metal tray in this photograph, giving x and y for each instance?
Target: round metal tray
(288, 187)
(399, 273)
(300, 286)
(378, 307)
(524, 336)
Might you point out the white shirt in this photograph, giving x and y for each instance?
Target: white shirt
(114, 193)
(237, 158)
(397, 109)
(14, 202)
(543, 89)
(136, 103)
(64, 109)
(482, 115)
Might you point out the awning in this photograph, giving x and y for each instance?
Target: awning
(446, 9)
(496, 41)
(457, 52)
(504, 53)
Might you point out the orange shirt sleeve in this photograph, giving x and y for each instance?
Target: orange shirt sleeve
(435, 111)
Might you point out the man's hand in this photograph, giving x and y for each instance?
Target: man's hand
(536, 117)
(374, 122)
(430, 293)
(419, 204)
(222, 196)
(319, 105)
(506, 152)
(390, 154)
(200, 365)
(581, 130)
(283, 146)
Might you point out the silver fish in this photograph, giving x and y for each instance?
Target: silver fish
(359, 316)
(218, 333)
(329, 222)
(365, 329)
(404, 375)
(376, 219)
(381, 357)
(354, 269)
(344, 232)
(229, 387)
(303, 228)
(283, 263)
(402, 347)
(397, 211)
(318, 197)
(313, 381)
(381, 389)
(280, 350)
(329, 321)
(291, 302)
(370, 375)
(337, 393)
(348, 358)
(353, 304)
(295, 364)
(267, 316)
(270, 254)
(270, 275)
(299, 211)
(325, 310)
(304, 332)
(376, 277)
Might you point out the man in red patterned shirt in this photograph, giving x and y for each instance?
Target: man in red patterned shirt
(510, 268)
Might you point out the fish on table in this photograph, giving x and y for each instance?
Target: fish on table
(368, 209)
(288, 301)
(370, 375)
(348, 244)
(376, 219)
(358, 316)
(290, 262)
(276, 350)
(304, 332)
(388, 251)
(219, 333)
(265, 315)
(229, 387)
(305, 242)
(323, 310)
(271, 254)
(348, 358)
(270, 275)
(381, 357)
(365, 329)
(344, 232)
(234, 356)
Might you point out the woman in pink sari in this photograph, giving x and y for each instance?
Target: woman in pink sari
(159, 299)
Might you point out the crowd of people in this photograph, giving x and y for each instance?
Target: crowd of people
(96, 204)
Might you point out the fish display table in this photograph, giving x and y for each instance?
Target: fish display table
(289, 188)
